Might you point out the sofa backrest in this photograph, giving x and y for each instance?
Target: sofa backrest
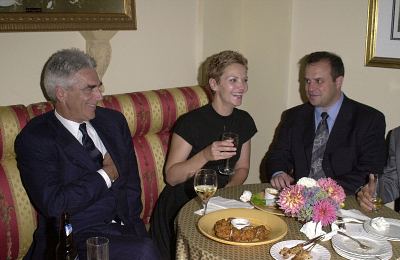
(150, 116)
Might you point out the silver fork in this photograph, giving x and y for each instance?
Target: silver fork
(361, 245)
(308, 249)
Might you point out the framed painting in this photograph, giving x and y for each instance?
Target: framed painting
(66, 15)
(383, 34)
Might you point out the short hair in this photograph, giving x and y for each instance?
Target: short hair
(61, 68)
(337, 67)
(218, 62)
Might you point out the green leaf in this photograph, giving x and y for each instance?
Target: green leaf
(258, 199)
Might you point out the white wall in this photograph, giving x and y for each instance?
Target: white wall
(159, 54)
(340, 26)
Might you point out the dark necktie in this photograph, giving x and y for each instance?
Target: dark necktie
(89, 146)
(321, 137)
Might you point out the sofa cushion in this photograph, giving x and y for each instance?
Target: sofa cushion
(17, 216)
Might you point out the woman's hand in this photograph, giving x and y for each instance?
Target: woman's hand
(219, 150)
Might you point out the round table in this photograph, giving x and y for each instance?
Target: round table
(191, 244)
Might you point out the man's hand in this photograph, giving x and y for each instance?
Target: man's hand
(109, 167)
(364, 196)
(281, 180)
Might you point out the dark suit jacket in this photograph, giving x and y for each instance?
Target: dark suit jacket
(356, 144)
(391, 174)
(59, 176)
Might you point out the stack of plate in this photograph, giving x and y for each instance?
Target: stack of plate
(391, 233)
(349, 249)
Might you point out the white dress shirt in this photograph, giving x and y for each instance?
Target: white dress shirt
(73, 128)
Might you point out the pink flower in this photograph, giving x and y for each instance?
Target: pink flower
(291, 199)
(324, 212)
(334, 190)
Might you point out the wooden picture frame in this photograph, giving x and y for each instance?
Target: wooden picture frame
(67, 15)
(383, 29)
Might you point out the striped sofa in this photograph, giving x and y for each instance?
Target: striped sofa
(150, 115)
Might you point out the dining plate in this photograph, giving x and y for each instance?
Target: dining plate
(345, 244)
(391, 233)
(277, 227)
(260, 204)
(386, 256)
(318, 252)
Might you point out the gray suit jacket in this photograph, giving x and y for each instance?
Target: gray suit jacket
(391, 173)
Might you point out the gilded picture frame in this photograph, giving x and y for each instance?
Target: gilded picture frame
(382, 44)
(66, 15)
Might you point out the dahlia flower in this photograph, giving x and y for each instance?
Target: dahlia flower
(334, 190)
(291, 199)
(324, 212)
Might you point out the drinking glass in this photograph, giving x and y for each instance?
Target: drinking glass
(205, 185)
(97, 248)
(227, 169)
(376, 196)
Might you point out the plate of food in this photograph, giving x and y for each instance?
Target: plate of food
(261, 227)
(282, 251)
(265, 203)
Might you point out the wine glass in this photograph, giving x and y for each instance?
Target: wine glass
(227, 169)
(376, 196)
(205, 185)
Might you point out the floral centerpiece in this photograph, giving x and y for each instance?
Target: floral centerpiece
(311, 200)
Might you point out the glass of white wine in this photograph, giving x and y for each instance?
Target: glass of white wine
(376, 197)
(227, 169)
(205, 185)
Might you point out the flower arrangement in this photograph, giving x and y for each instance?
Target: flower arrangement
(311, 200)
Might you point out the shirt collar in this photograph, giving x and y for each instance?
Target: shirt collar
(72, 126)
(332, 111)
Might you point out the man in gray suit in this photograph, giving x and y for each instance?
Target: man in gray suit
(390, 180)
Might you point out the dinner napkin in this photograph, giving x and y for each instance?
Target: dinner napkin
(312, 229)
(353, 213)
(218, 203)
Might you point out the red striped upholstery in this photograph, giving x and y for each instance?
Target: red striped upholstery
(150, 116)
(17, 217)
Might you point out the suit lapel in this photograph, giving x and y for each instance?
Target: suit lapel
(109, 141)
(309, 134)
(341, 126)
(73, 149)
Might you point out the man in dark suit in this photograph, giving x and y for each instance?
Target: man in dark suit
(87, 170)
(354, 143)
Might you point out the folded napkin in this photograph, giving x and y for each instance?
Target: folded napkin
(218, 203)
(353, 213)
(312, 229)
(380, 224)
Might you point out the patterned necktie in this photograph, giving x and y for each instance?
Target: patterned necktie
(321, 137)
(89, 146)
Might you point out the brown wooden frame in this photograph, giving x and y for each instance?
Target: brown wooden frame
(371, 57)
(59, 21)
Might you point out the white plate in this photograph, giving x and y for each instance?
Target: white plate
(345, 244)
(385, 256)
(318, 252)
(391, 233)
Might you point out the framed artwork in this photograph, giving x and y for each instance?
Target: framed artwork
(66, 15)
(383, 34)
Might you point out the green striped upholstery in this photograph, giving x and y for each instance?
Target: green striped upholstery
(150, 116)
